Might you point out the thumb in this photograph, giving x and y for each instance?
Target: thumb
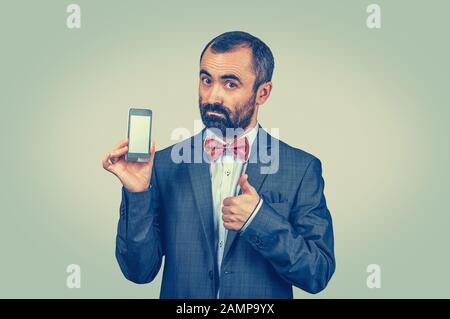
(245, 185)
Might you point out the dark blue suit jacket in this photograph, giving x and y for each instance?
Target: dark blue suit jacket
(288, 243)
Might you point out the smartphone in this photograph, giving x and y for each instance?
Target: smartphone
(139, 135)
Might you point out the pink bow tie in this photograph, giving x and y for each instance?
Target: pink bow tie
(239, 148)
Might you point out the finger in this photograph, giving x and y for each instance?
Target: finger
(230, 226)
(114, 160)
(119, 152)
(229, 201)
(122, 143)
(246, 188)
(227, 219)
(226, 210)
(152, 151)
(106, 164)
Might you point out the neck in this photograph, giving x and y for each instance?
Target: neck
(246, 130)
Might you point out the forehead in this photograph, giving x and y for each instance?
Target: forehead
(238, 62)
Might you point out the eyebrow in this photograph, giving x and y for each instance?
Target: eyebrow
(223, 77)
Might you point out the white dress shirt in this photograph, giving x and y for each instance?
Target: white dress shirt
(225, 172)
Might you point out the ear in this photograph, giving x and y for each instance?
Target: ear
(263, 92)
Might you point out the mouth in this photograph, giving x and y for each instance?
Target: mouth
(215, 113)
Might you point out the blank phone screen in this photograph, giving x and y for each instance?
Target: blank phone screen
(139, 134)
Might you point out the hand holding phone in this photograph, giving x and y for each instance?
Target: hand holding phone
(135, 171)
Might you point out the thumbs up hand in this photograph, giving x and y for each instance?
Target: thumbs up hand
(237, 209)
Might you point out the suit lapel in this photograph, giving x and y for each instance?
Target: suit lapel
(202, 191)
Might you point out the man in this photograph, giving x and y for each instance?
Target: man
(227, 229)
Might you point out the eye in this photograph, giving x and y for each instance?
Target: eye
(231, 85)
(206, 81)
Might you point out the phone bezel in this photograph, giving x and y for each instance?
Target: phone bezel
(139, 157)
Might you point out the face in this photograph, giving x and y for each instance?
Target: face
(226, 96)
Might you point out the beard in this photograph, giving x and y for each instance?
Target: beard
(226, 121)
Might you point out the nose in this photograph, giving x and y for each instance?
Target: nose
(214, 95)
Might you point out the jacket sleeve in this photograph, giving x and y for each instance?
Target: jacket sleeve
(139, 247)
(299, 247)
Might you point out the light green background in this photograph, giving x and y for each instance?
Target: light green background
(373, 105)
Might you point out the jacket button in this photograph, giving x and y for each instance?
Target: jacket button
(211, 275)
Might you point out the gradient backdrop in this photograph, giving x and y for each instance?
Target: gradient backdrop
(373, 105)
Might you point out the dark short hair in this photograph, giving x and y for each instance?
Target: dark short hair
(263, 62)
